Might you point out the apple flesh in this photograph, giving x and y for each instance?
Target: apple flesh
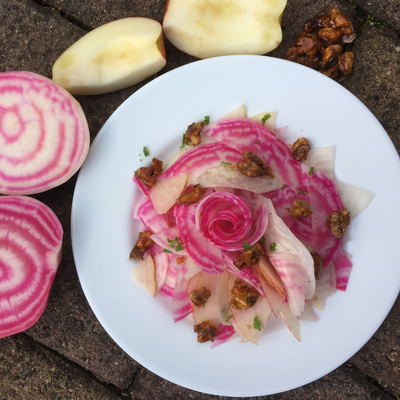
(144, 274)
(112, 57)
(211, 28)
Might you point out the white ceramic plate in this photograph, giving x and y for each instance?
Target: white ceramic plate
(103, 232)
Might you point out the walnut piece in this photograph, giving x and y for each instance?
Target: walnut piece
(320, 45)
(192, 135)
(149, 176)
(199, 297)
(142, 244)
(300, 149)
(244, 295)
(338, 223)
(249, 257)
(317, 264)
(299, 209)
(254, 166)
(206, 331)
(192, 196)
(180, 260)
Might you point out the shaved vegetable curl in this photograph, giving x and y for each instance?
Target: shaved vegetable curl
(30, 252)
(44, 136)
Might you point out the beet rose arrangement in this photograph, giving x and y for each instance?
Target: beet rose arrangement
(239, 226)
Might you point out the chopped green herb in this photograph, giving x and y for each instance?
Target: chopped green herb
(262, 241)
(283, 186)
(175, 244)
(303, 191)
(204, 305)
(227, 320)
(246, 246)
(257, 323)
(184, 141)
(225, 163)
(272, 247)
(265, 117)
(206, 120)
(166, 251)
(257, 143)
(145, 151)
(136, 172)
(311, 171)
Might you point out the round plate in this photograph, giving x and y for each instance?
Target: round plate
(103, 231)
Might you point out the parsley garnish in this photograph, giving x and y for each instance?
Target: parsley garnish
(272, 247)
(136, 172)
(257, 142)
(225, 163)
(184, 142)
(283, 187)
(257, 323)
(227, 320)
(262, 241)
(175, 244)
(145, 151)
(206, 120)
(265, 117)
(166, 251)
(246, 246)
(310, 172)
(303, 191)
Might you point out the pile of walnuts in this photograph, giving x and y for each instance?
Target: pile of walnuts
(320, 45)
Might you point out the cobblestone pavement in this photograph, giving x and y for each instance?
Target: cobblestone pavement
(67, 353)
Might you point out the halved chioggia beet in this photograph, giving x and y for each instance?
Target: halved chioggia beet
(44, 136)
(30, 252)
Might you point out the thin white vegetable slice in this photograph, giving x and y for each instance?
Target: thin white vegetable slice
(270, 122)
(30, 252)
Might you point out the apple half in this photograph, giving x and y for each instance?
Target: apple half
(211, 28)
(112, 57)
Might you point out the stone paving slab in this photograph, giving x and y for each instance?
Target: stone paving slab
(33, 35)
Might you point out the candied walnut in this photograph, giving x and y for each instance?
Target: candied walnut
(249, 257)
(254, 166)
(206, 331)
(317, 264)
(299, 209)
(320, 45)
(244, 295)
(192, 196)
(307, 43)
(180, 260)
(192, 135)
(345, 62)
(300, 149)
(142, 244)
(317, 23)
(338, 223)
(149, 176)
(331, 54)
(199, 297)
(341, 22)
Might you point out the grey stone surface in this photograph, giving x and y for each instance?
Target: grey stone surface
(33, 35)
(29, 371)
(387, 12)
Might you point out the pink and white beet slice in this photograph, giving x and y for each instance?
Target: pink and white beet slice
(30, 252)
(44, 136)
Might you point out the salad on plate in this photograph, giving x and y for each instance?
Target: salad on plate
(240, 227)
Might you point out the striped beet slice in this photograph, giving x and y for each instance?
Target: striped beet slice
(44, 136)
(204, 157)
(246, 135)
(30, 252)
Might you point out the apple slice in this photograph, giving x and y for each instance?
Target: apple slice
(269, 273)
(144, 274)
(112, 57)
(166, 191)
(269, 122)
(291, 322)
(206, 29)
